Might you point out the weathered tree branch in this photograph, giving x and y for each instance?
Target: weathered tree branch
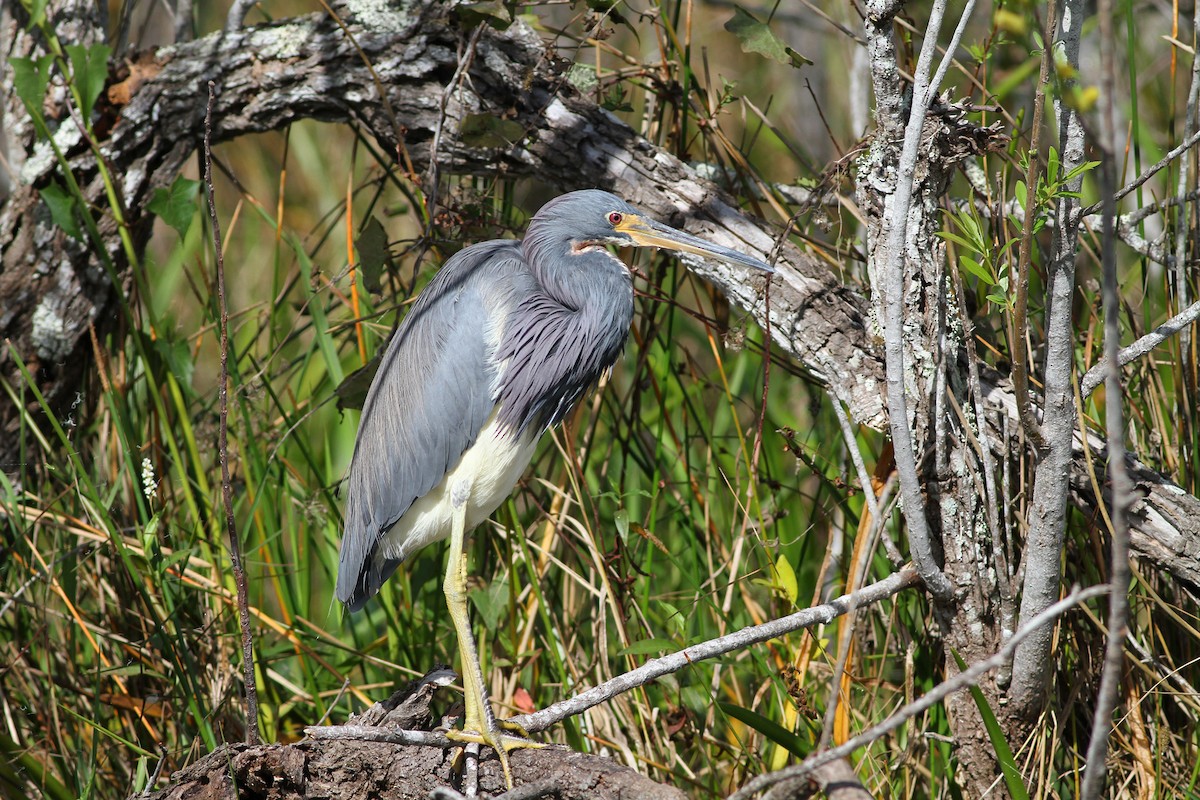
(738, 640)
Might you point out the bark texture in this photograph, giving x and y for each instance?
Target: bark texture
(331, 769)
(936, 379)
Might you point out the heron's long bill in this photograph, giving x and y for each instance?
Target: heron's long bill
(648, 233)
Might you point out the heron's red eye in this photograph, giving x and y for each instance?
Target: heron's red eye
(615, 217)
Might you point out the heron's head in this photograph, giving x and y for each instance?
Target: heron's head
(591, 219)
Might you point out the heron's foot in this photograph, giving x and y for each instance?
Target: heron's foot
(518, 730)
(502, 743)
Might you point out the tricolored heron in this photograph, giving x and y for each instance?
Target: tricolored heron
(498, 347)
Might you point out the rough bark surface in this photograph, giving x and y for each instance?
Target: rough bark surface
(936, 376)
(354, 768)
(330, 770)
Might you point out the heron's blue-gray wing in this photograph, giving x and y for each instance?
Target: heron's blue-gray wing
(433, 393)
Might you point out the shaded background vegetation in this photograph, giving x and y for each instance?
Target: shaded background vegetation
(707, 487)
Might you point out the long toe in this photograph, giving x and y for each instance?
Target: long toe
(503, 743)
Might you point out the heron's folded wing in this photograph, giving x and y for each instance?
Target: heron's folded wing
(434, 391)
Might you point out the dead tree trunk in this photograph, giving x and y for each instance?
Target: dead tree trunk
(938, 383)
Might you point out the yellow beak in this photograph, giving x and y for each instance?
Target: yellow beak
(648, 233)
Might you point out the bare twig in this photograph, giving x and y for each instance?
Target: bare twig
(1149, 172)
(876, 526)
(1187, 361)
(235, 547)
(860, 467)
(1094, 376)
(1118, 475)
(184, 26)
(387, 735)
(433, 174)
(656, 668)
(237, 14)
(838, 781)
(968, 677)
(528, 791)
(651, 670)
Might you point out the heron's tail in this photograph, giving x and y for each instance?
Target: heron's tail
(360, 574)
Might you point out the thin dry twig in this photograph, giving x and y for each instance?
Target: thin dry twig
(892, 270)
(369, 733)
(1148, 173)
(433, 174)
(877, 520)
(235, 547)
(1143, 345)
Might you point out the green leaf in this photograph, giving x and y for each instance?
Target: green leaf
(970, 226)
(975, 268)
(797, 59)
(757, 37)
(648, 646)
(1021, 192)
(772, 730)
(37, 13)
(177, 355)
(621, 522)
(785, 578)
(89, 71)
(1052, 166)
(672, 618)
(492, 602)
(30, 79)
(352, 392)
(954, 237)
(614, 99)
(373, 253)
(176, 205)
(1086, 166)
(62, 209)
(1008, 765)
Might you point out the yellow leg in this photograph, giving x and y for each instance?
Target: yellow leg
(480, 724)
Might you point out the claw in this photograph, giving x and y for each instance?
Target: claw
(502, 743)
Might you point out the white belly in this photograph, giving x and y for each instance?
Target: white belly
(488, 471)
